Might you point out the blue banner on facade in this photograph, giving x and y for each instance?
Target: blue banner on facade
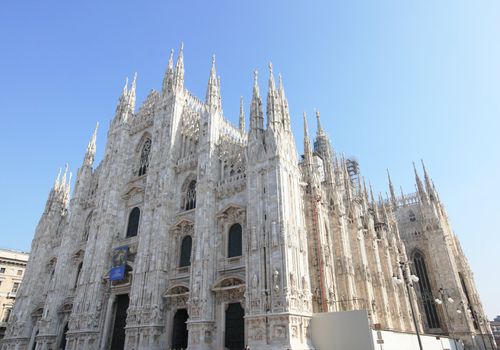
(119, 261)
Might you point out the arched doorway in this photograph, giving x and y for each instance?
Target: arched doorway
(118, 340)
(235, 327)
(179, 330)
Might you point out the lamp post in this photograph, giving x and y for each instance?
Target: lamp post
(448, 323)
(479, 321)
(463, 310)
(408, 280)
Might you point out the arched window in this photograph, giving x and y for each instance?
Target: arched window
(425, 291)
(186, 244)
(144, 160)
(234, 241)
(189, 199)
(133, 222)
(86, 228)
(78, 271)
(412, 217)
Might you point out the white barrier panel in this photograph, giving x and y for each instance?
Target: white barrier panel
(351, 330)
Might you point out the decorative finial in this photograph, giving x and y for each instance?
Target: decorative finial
(58, 178)
(125, 87)
(171, 59)
(213, 60)
(63, 180)
(270, 67)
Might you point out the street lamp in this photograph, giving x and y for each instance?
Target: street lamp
(408, 280)
(451, 301)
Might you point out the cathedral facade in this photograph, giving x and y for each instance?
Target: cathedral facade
(193, 233)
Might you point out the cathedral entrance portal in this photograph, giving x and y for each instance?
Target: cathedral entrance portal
(118, 339)
(180, 331)
(235, 327)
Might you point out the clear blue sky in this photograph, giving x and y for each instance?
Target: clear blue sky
(395, 81)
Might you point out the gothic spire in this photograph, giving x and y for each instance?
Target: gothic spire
(132, 95)
(403, 199)
(212, 95)
(420, 186)
(63, 180)
(271, 100)
(256, 114)
(57, 182)
(307, 143)
(125, 88)
(168, 79)
(383, 208)
(242, 115)
(347, 179)
(373, 205)
(68, 189)
(179, 69)
(322, 144)
(391, 190)
(284, 104)
(319, 131)
(123, 99)
(281, 90)
(219, 105)
(91, 148)
(428, 182)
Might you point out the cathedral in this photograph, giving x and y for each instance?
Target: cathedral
(194, 233)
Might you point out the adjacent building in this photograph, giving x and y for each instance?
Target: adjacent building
(12, 266)
(196, 233)
(495, 328)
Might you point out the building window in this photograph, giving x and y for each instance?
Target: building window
(6, 315)
(2, 269)
(412, 216)
(185, 259)
(78, 271)
(144, 160)
(15, 287)
(19, 272)
(86, 228)
(189, 198)
(133, 222)
(234, 245)
(426, 291)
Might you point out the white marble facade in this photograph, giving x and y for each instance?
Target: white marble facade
(235, 234)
